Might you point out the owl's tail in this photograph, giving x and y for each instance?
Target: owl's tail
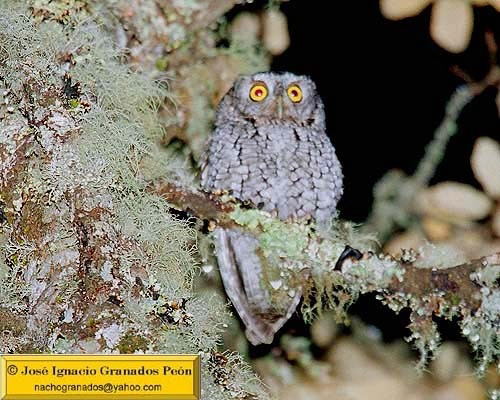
(241, 270)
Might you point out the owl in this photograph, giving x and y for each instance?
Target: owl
(270, 148)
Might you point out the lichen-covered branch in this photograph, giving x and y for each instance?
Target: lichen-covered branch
(424, 281)
(469, 292)
(202, 205)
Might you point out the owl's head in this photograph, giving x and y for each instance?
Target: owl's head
(275, 98)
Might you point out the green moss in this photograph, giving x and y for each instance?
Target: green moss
(12, 323)
(132, 342)
(454, 299)
(73, 103)
(275, 237)
(161, 64)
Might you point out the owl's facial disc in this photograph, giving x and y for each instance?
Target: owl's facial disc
(276, 98)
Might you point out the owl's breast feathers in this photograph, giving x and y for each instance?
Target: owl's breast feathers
(289, 169)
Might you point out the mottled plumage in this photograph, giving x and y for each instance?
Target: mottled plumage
(269, 147)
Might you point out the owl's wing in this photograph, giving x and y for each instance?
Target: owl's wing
(241, 272)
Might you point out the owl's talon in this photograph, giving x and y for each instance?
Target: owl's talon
(347, 253)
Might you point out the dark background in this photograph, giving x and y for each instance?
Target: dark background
(385, 85)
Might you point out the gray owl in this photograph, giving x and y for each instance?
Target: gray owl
(269, 147)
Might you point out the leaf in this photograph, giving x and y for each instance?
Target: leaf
(275, 34)
(498, 101)
(496, 4)
(485, 162)
(399, 9)
(453, 201)
(493, 3)
(451, 24)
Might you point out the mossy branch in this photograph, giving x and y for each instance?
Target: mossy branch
(201, 205)
(418, 281)
(468, 291)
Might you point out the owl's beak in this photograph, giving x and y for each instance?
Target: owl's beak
(279, 107)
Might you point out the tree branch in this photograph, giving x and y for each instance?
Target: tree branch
(468, 291)
(199, 204)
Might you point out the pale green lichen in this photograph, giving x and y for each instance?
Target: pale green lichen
(227, 367)
(13, 288)
(426, 339)
(252, 57)
(275, 237)
(96, 226)
(375, 272)
(482, 327)
(297, 250)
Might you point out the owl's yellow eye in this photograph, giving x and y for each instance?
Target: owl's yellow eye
(294, 93)
(258, 92)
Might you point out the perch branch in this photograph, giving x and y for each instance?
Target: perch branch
(199, 204)
(435, 285)
(468, 291)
